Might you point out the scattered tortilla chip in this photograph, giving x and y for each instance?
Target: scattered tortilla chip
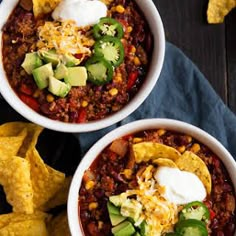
(59, 225)
(218, 9)
(26, 228)
(41, 7)
(194, 164)
(60, 197)
(45, 180)
(15, 178)
(165, 162)
(5, 219)
(146, 151)
(9, 146)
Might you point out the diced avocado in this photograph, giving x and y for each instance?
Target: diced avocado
(114, 214)
(41, 75)
(58, 87)
(77, 76)
(61, 71)
(143, 228)
(50, 57)
(31, 62)
(137, 234)
(70, 60)
(131, 208)
(116, 200)
(123, 229)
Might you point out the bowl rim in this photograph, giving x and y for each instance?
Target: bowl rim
(136, 126)
(153, 75)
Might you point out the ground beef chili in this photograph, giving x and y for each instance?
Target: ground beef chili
(83, 103)
(108, 176)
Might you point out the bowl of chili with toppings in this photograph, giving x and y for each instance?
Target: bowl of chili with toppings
(77, 66)
(154, 177)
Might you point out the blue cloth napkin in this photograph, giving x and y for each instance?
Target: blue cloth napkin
(181, 93)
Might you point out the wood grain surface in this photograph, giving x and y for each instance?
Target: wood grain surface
(211, 47)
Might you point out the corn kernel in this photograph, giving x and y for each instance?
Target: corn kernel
(120, 9)
(118, 78)
(50, 98)
(36, 93)
(113, 91)
(113, 9)
(129, 29)
(137, 140)
(89, 185)
(137, 61)
(127, 173)
(100, 224)
(181, 149)
(189, 138)
(84, 103)
(93, 205)
(195, 148)
(133, 49)
(161, 132)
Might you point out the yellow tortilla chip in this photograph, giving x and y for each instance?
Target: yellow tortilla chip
(5, 219)
(45, 180)
(192, 163)
(146, 151)
(59, 225)
(60, 197)
(15, 178)
(218, 9)
(165, 162)
(9, 146)
(41, 7)
(26, 228)
(12, 128)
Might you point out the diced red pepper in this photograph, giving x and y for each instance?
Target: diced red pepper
(26, 89)
(30, 101)
(132, 79)
(212, 214)
(82, 116)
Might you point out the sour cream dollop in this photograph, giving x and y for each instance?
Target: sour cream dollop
(181, 187)
(83, 12)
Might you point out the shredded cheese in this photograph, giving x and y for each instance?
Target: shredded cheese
(159, 214)
(65, 37)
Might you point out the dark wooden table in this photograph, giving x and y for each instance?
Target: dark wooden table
(211, 47)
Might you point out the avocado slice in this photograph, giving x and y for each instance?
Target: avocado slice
(70, 60)
(77, 76)
(123, 229)
(50, 57)
(116, 200)
(31, 62)
(58, 87)
(41, 75)
(143, 228)
(114, 214)
(61, 71)
(137, 234)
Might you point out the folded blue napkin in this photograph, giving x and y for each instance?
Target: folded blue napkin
(181, 93)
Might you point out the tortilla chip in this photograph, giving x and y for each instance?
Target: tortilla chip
(218, 9)
(45, 180)
(5, 219)
(11, 128)
(59, 225)
(165, 162)
(146, 151)
(15, 178)
(60, 198)
(9, 146)
(26, 228)
(41, 7)
(192, 163)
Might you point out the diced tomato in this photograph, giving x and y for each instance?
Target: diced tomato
(132, 79)
(30, 101)
(78, 55)
(212, 214)
(82, 116)
(128, 136)
(26, 89)
(124, 23)
(216, 162)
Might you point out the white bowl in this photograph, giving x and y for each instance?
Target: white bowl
(156, 27)
(133, 127)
